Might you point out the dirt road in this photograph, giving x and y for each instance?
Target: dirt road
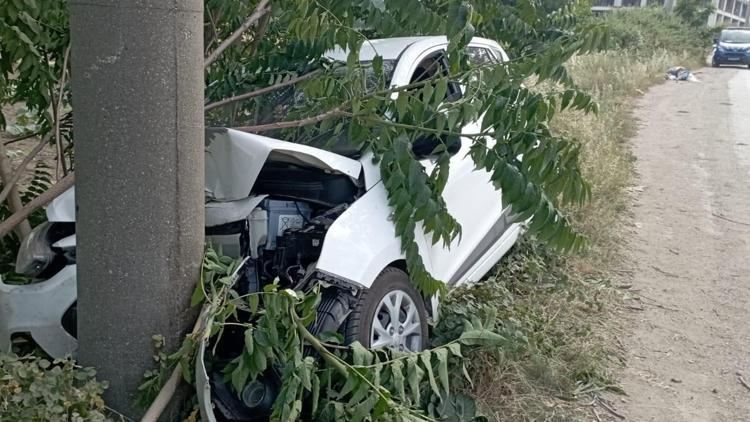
(689, 249)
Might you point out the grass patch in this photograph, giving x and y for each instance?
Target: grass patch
(554, 310)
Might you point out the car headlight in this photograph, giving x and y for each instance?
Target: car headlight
(35, 254)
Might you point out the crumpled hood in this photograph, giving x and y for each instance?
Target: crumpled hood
(234, 160)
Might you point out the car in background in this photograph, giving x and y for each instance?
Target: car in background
(732, 47)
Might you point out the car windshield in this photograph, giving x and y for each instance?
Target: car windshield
(291, 103)
(735, 36)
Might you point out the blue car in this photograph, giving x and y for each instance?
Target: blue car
(733, 47)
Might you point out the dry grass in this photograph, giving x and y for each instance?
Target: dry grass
(563, 305)
(615, 79)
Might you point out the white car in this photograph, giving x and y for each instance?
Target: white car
(302, 215)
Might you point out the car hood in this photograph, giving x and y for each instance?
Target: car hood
(729, 46)
(234, 160)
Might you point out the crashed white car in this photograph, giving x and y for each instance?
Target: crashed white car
(299, 214)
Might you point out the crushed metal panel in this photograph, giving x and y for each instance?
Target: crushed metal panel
(234, 160)
(36, 309)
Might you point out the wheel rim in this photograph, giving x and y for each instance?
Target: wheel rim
(396, 323)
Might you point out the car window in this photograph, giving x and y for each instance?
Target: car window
(435, 65)
(432, 66)
(480, 56)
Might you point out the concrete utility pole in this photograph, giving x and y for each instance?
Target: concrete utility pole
(138, 97)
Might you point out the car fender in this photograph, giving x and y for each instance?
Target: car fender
(363, 241)
(63, 208)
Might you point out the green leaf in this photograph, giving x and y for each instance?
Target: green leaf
(441, 89)
(377, 65)
(442, 357)
(363, 409)
(455, 349)
(259, 360)
(249, 341)
(239, 376)
(414, 375)
(198, 296)
(315, 393)
(482, 338)
(398, 378)
(425, 358)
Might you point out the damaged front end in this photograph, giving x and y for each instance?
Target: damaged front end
(268, 202)
(44, 310)
(217, 399)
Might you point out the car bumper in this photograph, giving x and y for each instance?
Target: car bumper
(731, 58)
(38, 309)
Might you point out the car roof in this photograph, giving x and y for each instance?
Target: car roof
(391, 48)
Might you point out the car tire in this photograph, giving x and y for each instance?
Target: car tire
(370, 320)
(714, 64)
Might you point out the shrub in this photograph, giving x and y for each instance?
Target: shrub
(653, 29)
(35, 389)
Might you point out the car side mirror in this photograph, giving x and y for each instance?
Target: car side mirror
(426, 146)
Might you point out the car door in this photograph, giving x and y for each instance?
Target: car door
(470, 198)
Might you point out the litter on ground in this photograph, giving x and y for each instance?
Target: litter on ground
(679, 73)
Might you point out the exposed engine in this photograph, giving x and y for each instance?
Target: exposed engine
(283, 237)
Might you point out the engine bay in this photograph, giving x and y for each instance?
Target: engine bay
(282, 237)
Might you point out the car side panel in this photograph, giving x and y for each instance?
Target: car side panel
(363, 241)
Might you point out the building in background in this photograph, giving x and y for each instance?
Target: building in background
(728, 12)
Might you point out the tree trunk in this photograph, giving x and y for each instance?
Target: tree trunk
(14, 198)
(137, 75)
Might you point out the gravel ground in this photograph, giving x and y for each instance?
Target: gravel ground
(687, 342)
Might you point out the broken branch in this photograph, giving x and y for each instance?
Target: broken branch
(607, 407)
(742, 381)
(56, 110)
(21, 138)
(10, 184)
(336, 112)
(20, 216)
(14, 197)
(260, 91)
(258, 13)
(730, 220)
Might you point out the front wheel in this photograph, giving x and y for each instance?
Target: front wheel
(390, 314)
(714, 64)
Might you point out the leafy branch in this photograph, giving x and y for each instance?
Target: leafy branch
(348, 382)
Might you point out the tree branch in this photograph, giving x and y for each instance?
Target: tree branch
(11, 183)
(20, 216)
(258, 13)
(21, 138)
(259, 34)
(336, 112)
(260, 91)
(14, 197)
(57, 108)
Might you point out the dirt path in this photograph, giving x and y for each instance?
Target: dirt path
(690, 253)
